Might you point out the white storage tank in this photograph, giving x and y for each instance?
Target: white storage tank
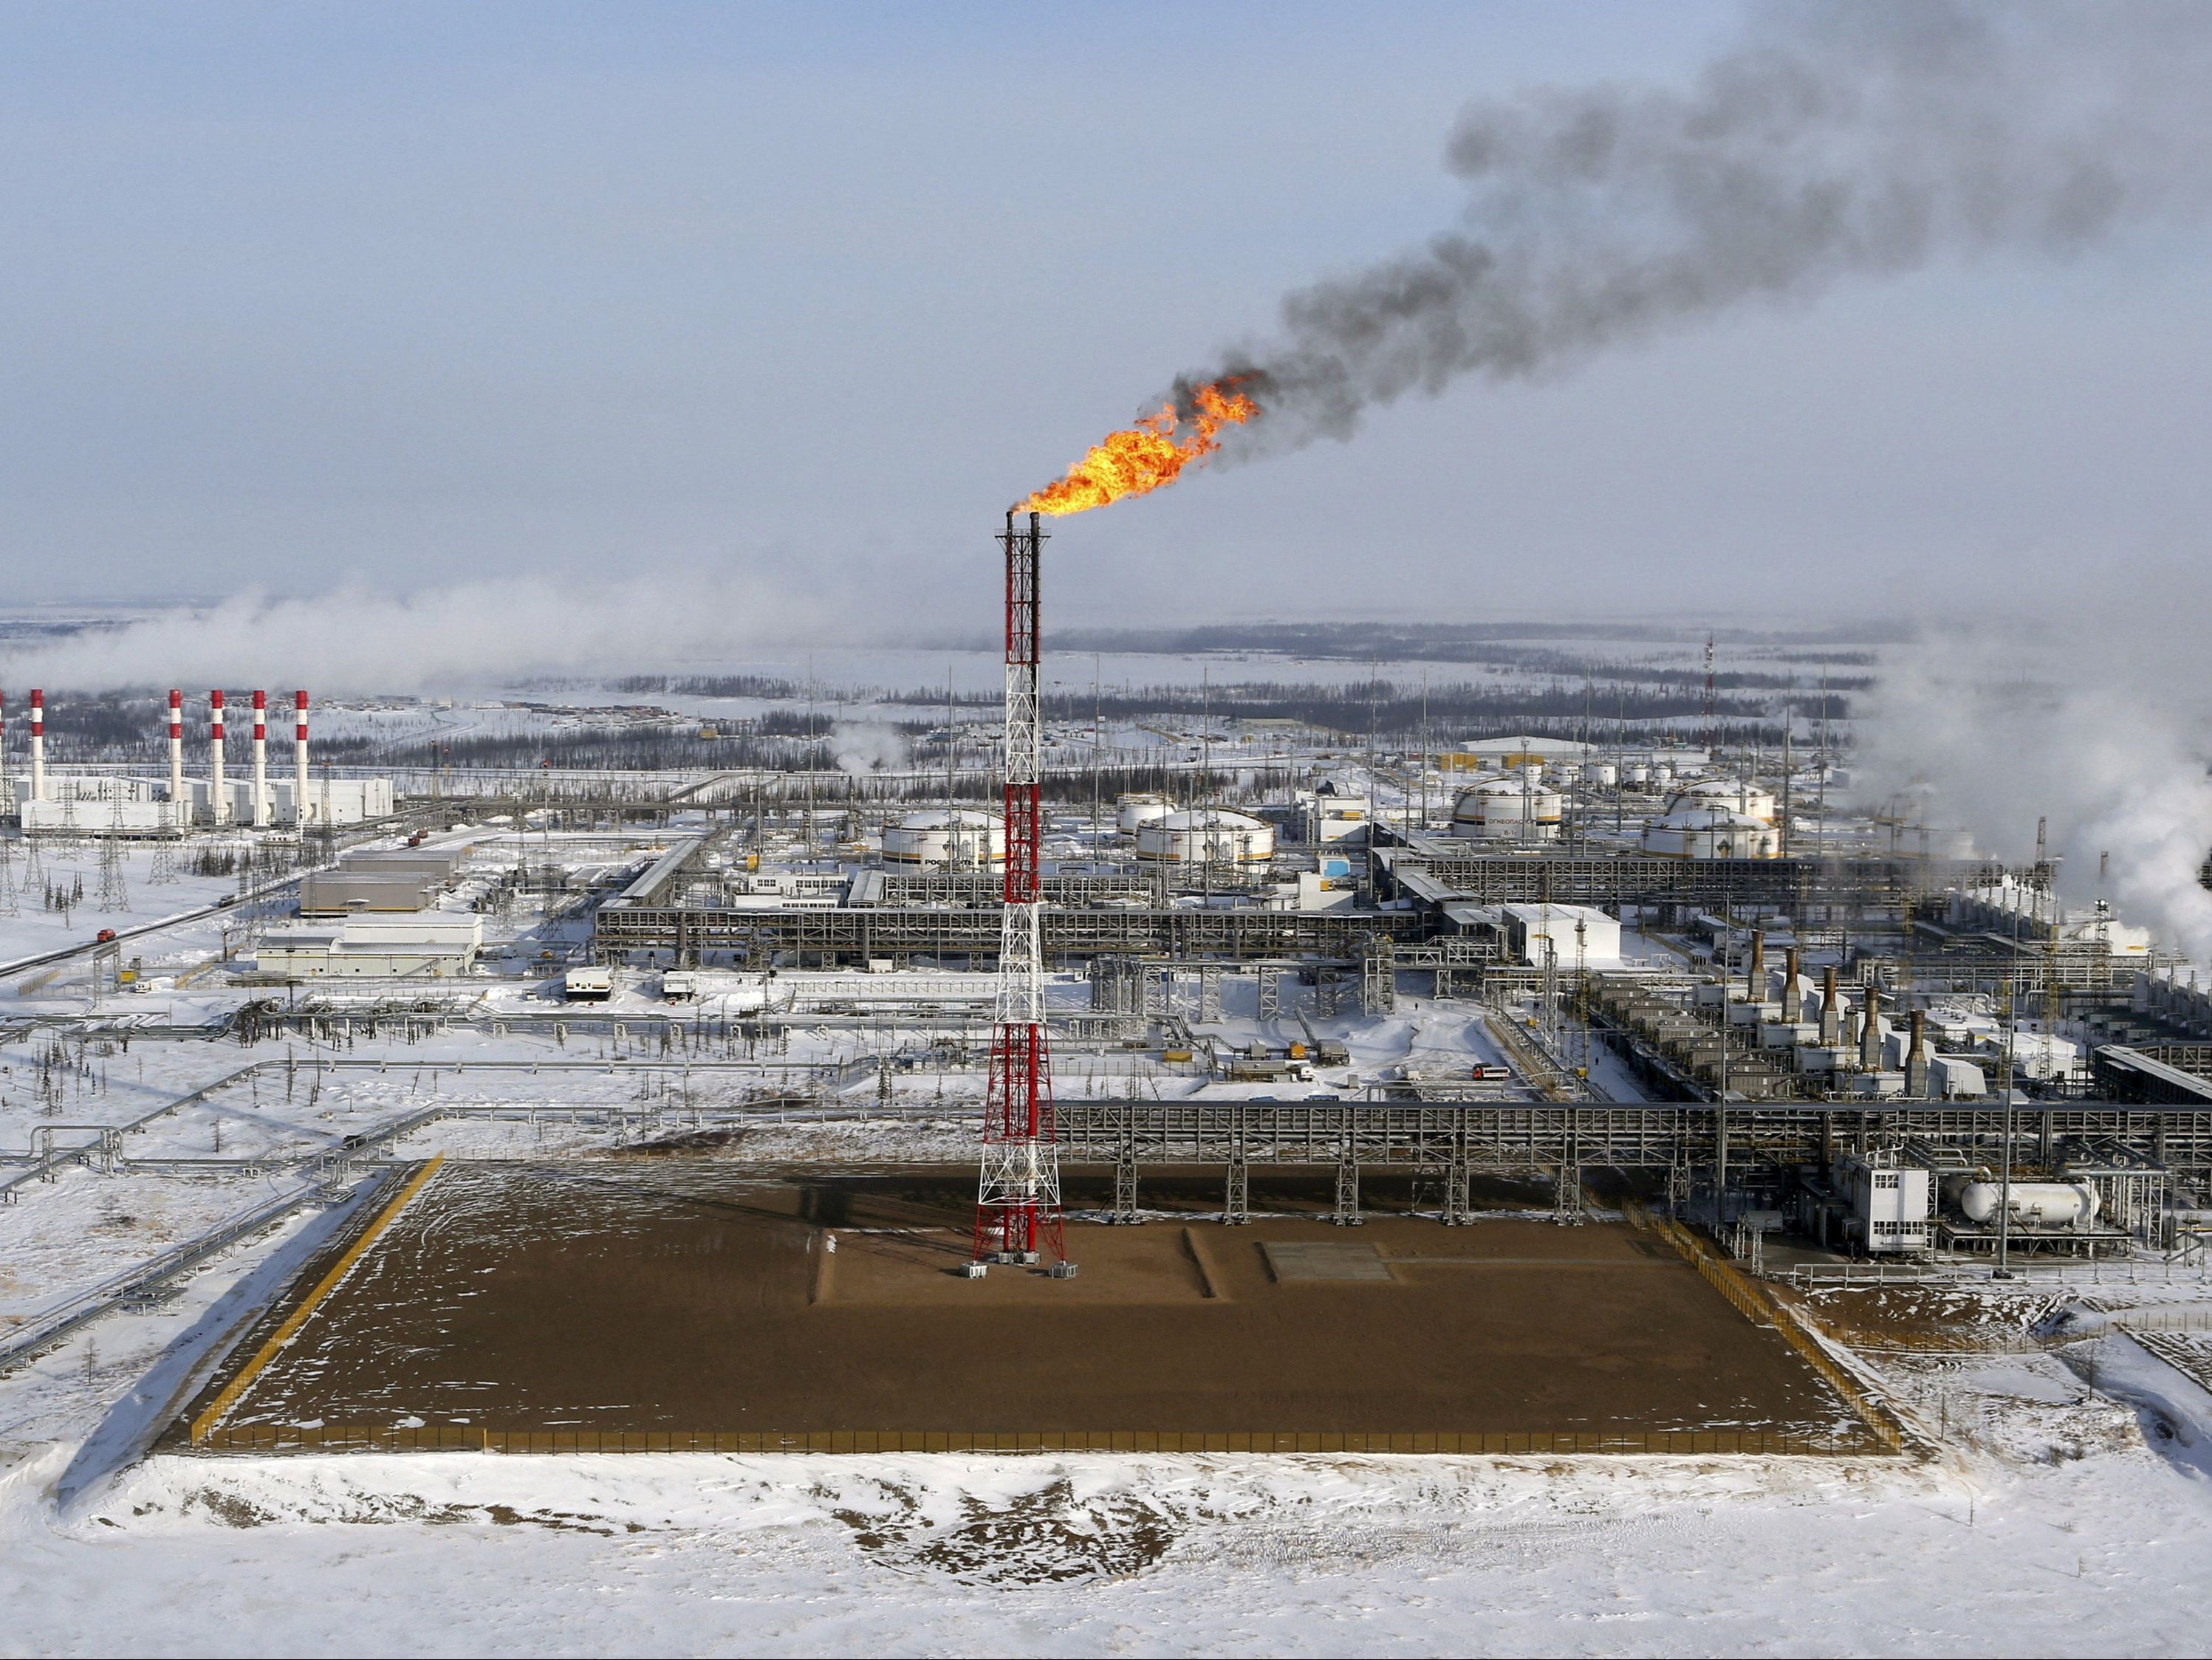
(963, 839)
(1599, 774)
(1207, 836)
(1738, 796)
(1133, 813)
(1710, 833)
(2034, 1204)
(1507, 809)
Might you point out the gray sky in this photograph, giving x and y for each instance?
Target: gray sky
(796, 299)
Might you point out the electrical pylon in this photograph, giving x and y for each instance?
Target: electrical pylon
(1017, 1215)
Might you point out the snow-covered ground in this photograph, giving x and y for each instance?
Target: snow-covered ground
(2068, 1505)
(2059, 1517)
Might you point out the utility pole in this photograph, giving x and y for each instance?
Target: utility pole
(2003, 1270)
(1789, 767)
(1712, 704)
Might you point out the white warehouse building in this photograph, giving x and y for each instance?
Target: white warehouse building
(1581, 934)
(435, 945)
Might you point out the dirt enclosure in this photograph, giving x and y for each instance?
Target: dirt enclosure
(681, 1294)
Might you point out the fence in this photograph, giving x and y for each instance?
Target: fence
(463, 1437)
(1762, 1310)
(2132, 1270)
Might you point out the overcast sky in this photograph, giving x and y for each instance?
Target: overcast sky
(299, 296)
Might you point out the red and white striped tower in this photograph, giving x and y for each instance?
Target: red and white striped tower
(176, 756)
(1017, 1202)
(38, 744)
(260, 759)
(218, 802)
(299, 758)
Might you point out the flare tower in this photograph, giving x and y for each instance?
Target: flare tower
(1018, 1216)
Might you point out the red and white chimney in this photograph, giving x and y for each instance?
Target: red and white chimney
(177, 815)
(38, 744)
(260, 759)
(299, 758)
(218, 805)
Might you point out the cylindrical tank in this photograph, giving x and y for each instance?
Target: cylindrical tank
(1748, 799)
(1507, 809)
(1636, 775)
(1600, 774)
(963, 839)
(1707, 831)
(2034, 1204)
(1662, 775)
(1133, 813)
(1207, 836)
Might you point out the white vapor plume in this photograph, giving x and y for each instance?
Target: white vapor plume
(485, 633)
(2101, 723)
(1831, 142)
(867, 746)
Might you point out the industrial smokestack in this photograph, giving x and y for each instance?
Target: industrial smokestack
(300, 758)
(218, 807)
(1832, 1021)
(1870, 1033)
(1916, 1058)
(176, 757)
(38, 744)
(1755, 979)
(260, 759)
(1790, 999)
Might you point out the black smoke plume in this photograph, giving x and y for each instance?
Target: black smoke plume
(1831, 142)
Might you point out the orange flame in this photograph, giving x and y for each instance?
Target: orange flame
(1149, 455)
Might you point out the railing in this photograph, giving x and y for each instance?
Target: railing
(2132, 1270)
(466, 1438)
(1761, 1310)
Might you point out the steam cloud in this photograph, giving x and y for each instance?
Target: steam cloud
(867, 746)
(2115, 754)
(1866, 139)
(484, 634)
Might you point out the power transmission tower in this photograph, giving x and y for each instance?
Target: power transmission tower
(113, 894)
(9, 906)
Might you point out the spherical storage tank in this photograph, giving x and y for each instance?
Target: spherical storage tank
(1133, 813)
(1208, 836)
(963, 839)
(1507, 809)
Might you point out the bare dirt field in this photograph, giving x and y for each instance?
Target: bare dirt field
(681, 1294)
